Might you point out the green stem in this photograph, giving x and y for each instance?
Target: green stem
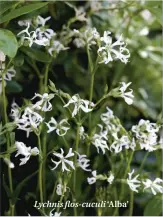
(46, 77)
(60, 201)
(125, 174)
(40, 171)
(116, 211)
(43, 89)
(131, 203)
(12, 207)
(126, 171)
(101, 99)
(65, 142)
(75, 162)
(54, 190)
(143, 162)
(44, 150)
(92, 71)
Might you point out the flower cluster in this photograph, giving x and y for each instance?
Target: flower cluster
(30, 120)
(87, 38)
(42, 35)
(146, 135)
(156, 186)
(7, 73)
(100, 140)
(107, 49)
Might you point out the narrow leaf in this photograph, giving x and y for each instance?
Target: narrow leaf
(36, 54)
(23, 10)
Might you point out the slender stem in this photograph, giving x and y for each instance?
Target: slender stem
(40, 170)
(66, 143)
(54, 190)
(46, 77)
(126, 171)
(116, 211)
(44, 150)
(92, 71)
(75, 162)
(91, 87)
(12, 207)
(143, 162)
(131, 203)
(43, 89)
(60, 201)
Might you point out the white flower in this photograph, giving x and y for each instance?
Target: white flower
(63, 160)
(146, 134)
(143, 127)
(80, 14)
(8, 74)
(44, 34)
(83, 162)
(56, 214)
(106, 117)
(61, 127)
(88, 37)
(9, 163)
(25, 151)
(131, 145)
(92, 180)
(24, 22)
(15, 111)
(111, 51)
(56, 48)
(100, 140)
(118, 144)
(61, 189)
(41, 21)
(156, 185)
(36, 36)
(43, 104)
(79, 104)
(128, 96)
(110, 178)
(29, 36)
(133, 183)
(29, 120)
(79, 43)
(2, 56)
(81, 133)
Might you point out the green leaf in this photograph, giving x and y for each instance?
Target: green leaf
(153, 207)
(8, 43)
(4, 6)
(20, 186)
(36, 54)
(14, 87)
(18, 60)
(23, 10)
(8, 192)
(2, 140)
